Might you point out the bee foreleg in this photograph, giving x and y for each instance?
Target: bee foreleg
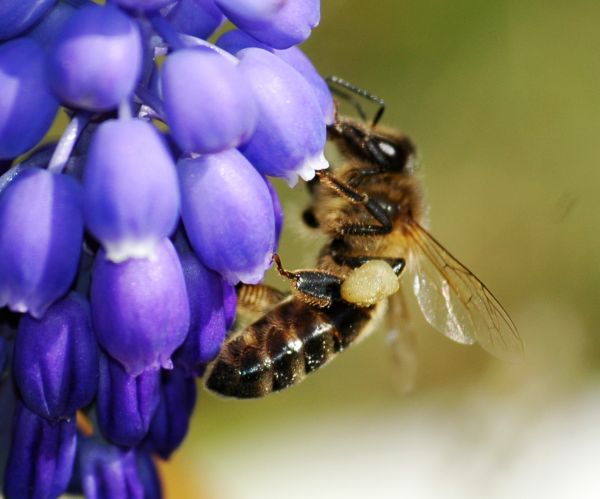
(314, 287)
(356, 197)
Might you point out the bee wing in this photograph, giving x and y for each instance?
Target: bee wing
(402, 340)
(456, 302)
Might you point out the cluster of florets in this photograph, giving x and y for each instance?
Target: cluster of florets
(121, 244)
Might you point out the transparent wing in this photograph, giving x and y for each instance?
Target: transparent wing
(402, 340)
(456, 302)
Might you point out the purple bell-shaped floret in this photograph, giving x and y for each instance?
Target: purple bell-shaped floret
(144, 5)
(96, 61)
(207, 315)
(235, 40)
(171, 420)
(52, 24)
(208, 102)
(290, 135)
(277, 211)
(41, 231)
(27, 106)
(227, 212)
(198, 18)
(229, 304)
(131, 193)
(140, 308)
(126, 404)
(148, 475)
(56, 359)
(41, 456)
(278, 23)
(16, 16)
(108, 472)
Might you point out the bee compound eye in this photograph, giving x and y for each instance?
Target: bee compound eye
(387, 148)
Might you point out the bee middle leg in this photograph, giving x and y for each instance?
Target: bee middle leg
(257, 297)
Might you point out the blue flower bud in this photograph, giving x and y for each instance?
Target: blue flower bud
(140, 308)
(208, 103)
(8, 402)
(290, 135)
(236, 40)
(56, 359)
(207, 315)
(237, 237)
(16, 16)
(195, 17)
(289, 23)
(126, 404)
(145, 5)
(171, 420)
(229, 304)
(131, 194)
(3, 355)
(148, 476)
(41, 456)
(41, 231)
(97, 59)
(27, 106)
(277, 210)
(108, 472)
(51, 25)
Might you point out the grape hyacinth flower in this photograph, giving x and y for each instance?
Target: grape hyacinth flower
(122, 242)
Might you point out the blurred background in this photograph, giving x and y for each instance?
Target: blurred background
(502, 99)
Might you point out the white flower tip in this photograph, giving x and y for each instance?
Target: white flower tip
(306, 171)
(135, 248)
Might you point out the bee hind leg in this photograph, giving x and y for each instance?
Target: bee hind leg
(354, 262)
(314, 287)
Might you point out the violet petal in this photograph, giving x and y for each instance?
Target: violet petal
(56, 359)
(207, 315)
(97, 59)
(27, 106)
(171, 420)
(235, 40)
(237, 238)
(282, 27)
(41, 231)
(41, 456)
(16, 16)
(290, 135)
(126, 404)
(206, 117)
(198, 18)
(108, 472)
(140, 308)
(131, 193)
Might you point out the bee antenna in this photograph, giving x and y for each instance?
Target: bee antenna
(335, 82)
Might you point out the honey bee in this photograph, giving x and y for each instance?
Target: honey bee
(371, 208)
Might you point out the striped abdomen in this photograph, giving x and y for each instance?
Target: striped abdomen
(284, 345)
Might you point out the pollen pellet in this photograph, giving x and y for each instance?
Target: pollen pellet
(370, 283)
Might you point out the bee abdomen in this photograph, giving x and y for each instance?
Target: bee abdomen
(283, 346)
